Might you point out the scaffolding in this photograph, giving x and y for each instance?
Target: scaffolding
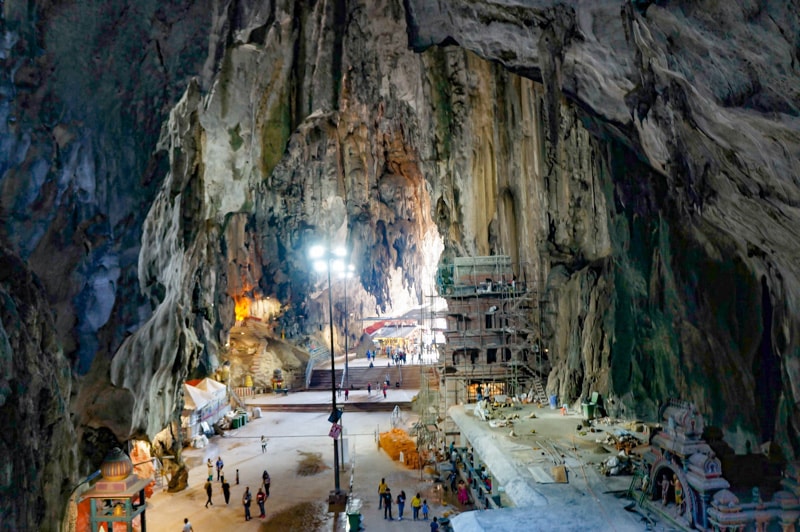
(496, 334)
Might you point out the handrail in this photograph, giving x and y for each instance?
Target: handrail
(309, 370)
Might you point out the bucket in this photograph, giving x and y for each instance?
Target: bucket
(553, 402)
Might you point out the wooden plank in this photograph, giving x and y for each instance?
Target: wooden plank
(559, 474)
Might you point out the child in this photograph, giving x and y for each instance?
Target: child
(425, 510)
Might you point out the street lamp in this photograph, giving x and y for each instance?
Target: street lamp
(326, 260)
(346, 274)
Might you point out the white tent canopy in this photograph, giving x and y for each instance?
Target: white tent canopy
(214, 388)
(194, 398)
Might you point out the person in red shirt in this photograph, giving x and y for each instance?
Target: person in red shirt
(261, 498)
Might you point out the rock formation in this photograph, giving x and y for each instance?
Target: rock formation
(637, 160)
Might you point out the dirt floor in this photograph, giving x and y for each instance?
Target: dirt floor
(298, 501)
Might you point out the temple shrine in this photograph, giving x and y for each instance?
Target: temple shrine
(684, 482)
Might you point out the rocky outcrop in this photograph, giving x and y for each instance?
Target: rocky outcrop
(35, 387)
(696, 146)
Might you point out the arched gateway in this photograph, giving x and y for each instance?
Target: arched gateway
(685, 481)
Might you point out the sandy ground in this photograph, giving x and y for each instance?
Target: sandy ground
(290, 434)
(299, 503)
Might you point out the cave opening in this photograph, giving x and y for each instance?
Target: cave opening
(766, 370)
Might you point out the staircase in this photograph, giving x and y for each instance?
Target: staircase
(317, 354)
(407, 375)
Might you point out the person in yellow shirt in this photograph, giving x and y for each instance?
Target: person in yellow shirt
(382, 487)
(416, 504)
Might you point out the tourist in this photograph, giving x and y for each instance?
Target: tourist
(263, 444)
(382, 487)
(220, 464)
(210, 467)
(261, 499)
(369, 388)
(267, 481)
(246, 500)
(208, 492)
(187, 526)
(226, 490)
(346, 393)
(435, 525)
(401, 504)
(425, 510)
(387, 505)
(463, 495)
(416, 503)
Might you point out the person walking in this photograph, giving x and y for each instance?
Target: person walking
(267, 481)
(187, 526)
(387, 505)
(210, 467)
(261, 499)
(208, 492)
(346, 393)
(219, 467)
(463, 495)
(401, 504)
(369, 388)
(246, 500)
(384, 391)
(435, 525)
(226, 490)
(425, 510)
(416, 504)
(263, 443)
(382, 487)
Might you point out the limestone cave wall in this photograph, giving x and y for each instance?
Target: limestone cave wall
(637, 160)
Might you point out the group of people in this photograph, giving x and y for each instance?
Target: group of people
(384, 387)
(247, 497)
(261, 497)
(418, 505)
(226, 487)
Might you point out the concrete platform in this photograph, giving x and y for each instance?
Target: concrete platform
(588, 502)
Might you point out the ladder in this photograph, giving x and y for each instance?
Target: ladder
(538, 390)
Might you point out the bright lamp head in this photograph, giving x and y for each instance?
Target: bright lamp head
(316, 252)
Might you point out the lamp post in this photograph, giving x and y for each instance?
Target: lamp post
(326, 260)
(348, 272)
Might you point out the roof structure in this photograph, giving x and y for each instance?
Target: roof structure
(194, 398)
(212, 387)
(391, 331)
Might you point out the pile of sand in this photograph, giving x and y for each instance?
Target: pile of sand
(398, 441)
